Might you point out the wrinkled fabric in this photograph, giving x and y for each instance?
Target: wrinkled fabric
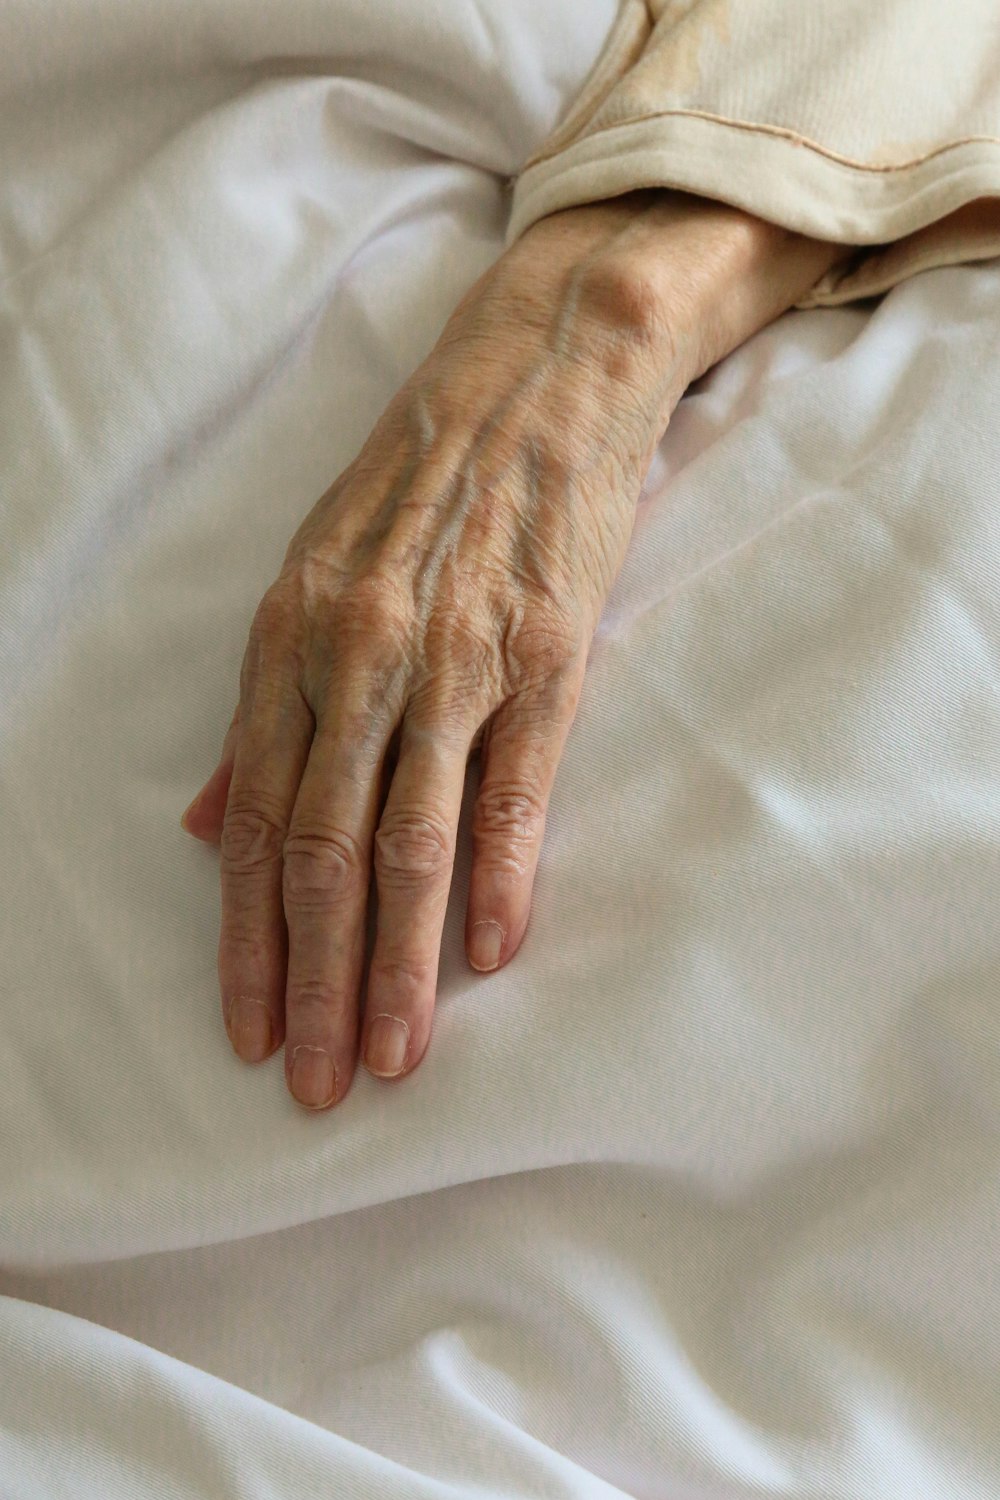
(695, 1200)
(873, 123)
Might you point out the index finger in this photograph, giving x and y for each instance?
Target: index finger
(276, 727)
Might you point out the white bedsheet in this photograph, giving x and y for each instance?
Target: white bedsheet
(699, 1199)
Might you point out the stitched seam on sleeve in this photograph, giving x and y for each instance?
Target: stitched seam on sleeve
(780, 131)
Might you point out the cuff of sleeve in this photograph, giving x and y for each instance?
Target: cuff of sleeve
(924, 213)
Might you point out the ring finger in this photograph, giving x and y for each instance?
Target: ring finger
(326, 880)
(414, 858)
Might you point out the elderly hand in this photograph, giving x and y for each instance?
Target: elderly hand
(443, 593)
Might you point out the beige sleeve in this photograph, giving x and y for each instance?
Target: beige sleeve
(873, 123)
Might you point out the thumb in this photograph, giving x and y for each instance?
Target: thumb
(203, 818)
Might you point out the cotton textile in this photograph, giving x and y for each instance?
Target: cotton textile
(865, 122)
(698, 1198)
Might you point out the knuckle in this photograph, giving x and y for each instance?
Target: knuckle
(271, 641)
(465, 662)
(412, 845)
(251, 839)
(410, 977)
(538, 648)
(316, 578)
(273, 617)
(321, 868)
(312, 996)
(509, 813)
(547, 650)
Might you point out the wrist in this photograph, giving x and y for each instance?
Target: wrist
(665, 281)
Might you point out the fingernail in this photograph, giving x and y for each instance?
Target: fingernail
(485, 942)
(387, 1043)
(314, 1078)
(250, 1028)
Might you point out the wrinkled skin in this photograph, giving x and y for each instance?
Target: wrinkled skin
(441, 598)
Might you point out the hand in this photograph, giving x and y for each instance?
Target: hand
(441, 597)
